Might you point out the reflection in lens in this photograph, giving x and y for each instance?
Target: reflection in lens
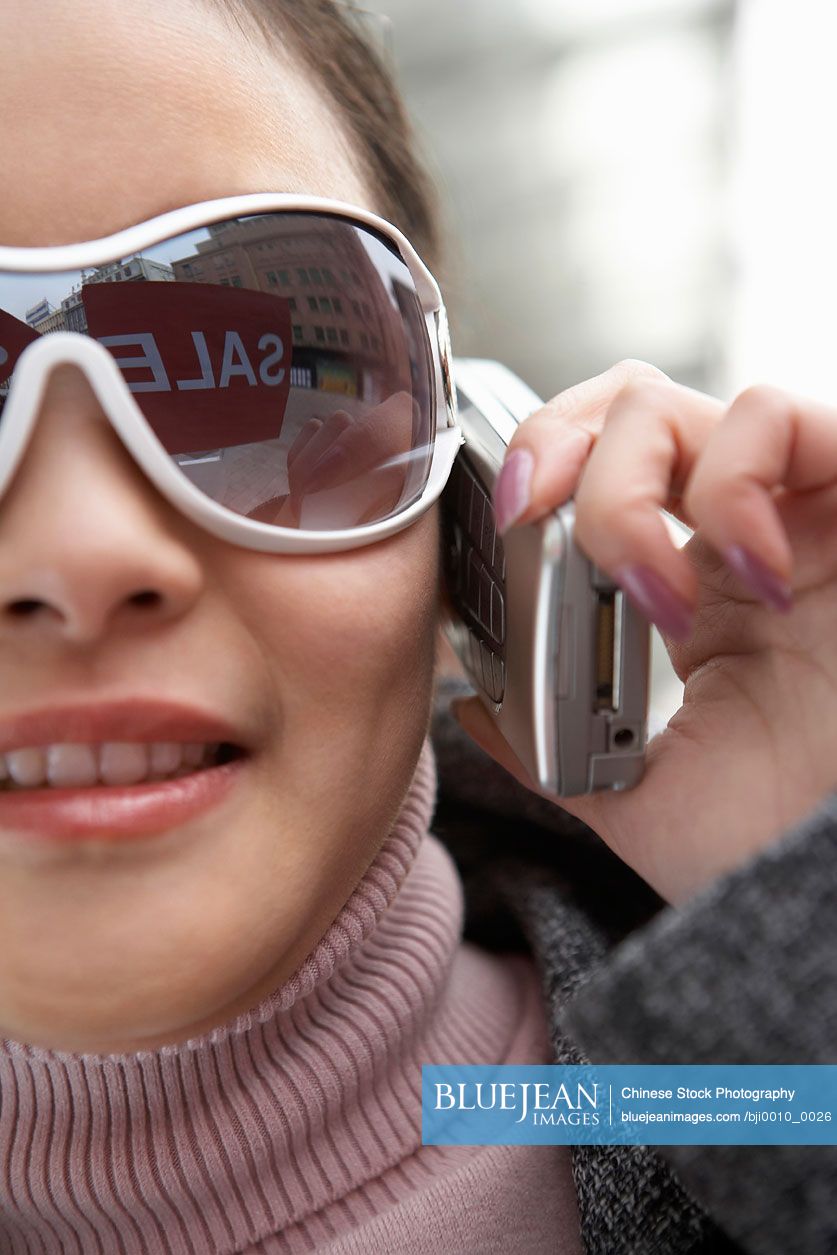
(240, 338)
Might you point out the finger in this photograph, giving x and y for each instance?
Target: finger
(548, 451)
(303, 436)
(472, 716)
(321, 440)
(769, 439)
(381, 433)
(653, 434)
(330, 430)
(367, 444)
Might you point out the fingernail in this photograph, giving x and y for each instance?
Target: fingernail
(656, 600)
(766, 584)
(511, 492)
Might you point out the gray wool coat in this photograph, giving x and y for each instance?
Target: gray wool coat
(746, 972)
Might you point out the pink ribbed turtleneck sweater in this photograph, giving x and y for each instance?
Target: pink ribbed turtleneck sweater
(297, 1126)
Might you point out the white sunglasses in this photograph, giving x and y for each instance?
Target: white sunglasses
(277, 365)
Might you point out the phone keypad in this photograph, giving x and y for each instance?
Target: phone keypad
(475, 570)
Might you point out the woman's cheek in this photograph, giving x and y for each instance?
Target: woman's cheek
(346, 630)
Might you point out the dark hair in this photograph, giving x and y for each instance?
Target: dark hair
(328, 39)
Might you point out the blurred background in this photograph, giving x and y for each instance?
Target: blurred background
(632, 178)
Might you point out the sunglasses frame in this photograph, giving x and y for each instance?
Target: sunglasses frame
(35, 364)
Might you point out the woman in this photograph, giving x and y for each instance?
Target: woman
(213, 1035)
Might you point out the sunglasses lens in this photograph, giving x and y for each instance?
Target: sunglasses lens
(281, 359)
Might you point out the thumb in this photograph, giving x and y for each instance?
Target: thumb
(471, 715)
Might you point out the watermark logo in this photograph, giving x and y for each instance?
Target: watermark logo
(642, 1104)
(543, 1103)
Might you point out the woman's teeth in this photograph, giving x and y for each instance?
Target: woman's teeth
(112, 762)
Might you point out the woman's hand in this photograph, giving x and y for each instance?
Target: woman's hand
(360, 460)
(747, 608)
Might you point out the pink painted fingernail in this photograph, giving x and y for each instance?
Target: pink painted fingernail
(656, 600)
(766, 584)
(513, 487)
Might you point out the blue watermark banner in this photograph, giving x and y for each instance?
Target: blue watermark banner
(639, 1104)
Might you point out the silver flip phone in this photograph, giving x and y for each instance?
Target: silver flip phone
(556, 652)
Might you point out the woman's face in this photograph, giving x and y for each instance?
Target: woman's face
(111, 113)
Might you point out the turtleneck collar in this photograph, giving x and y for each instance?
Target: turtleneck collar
(275, 1121)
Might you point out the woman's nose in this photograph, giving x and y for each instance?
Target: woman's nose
(87, 545)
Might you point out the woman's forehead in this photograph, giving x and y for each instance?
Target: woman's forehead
(111, 113)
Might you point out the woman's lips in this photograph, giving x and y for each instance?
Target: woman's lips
(116, 812)
(128, 719)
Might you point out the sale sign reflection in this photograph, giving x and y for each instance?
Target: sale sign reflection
(213, 372)
(15, 336)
